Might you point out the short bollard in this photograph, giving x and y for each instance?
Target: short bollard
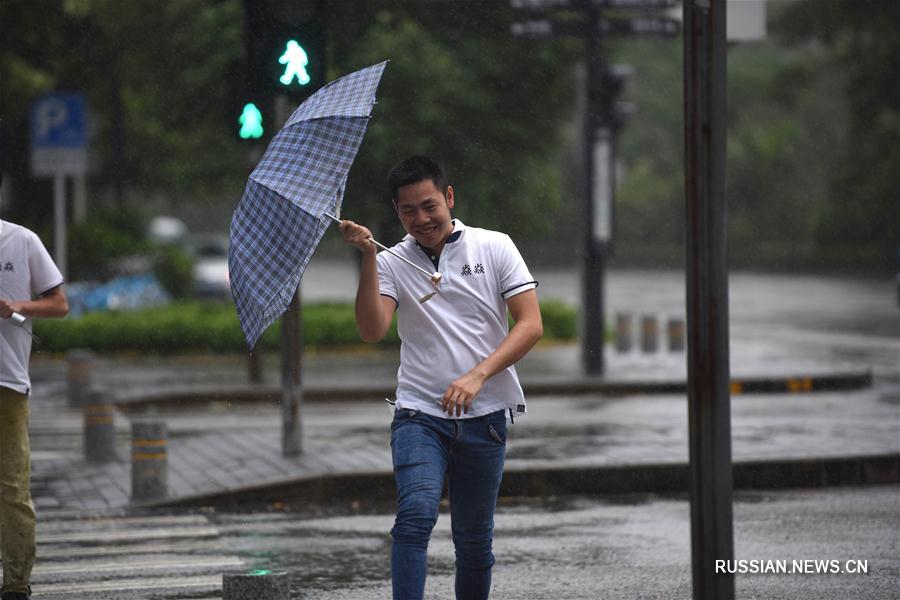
(80, 371)
(623, 332)
(149, 461)
(675, 328)
(649, 334)
(258, 585)
(99, 427)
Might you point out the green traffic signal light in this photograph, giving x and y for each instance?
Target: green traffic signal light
(294, 60)
(251, 122)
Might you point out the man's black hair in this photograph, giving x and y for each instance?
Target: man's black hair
(413, 170)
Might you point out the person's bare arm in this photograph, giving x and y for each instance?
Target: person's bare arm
(528, 329)
(51, 304)
(374, 312)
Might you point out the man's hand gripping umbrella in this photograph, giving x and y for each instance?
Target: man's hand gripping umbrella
(359, 235)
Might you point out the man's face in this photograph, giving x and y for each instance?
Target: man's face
(425, 212)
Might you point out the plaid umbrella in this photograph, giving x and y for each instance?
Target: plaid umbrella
(279, 221)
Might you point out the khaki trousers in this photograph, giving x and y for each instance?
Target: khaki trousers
(17, 543)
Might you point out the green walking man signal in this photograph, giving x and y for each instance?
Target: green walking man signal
(294, 60)
(251, 122)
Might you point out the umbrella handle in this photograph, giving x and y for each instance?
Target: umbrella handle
(435, 277)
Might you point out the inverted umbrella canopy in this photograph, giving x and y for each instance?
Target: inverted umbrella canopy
(280, 219)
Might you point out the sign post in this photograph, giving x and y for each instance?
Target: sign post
(59, 148)
(586, 20)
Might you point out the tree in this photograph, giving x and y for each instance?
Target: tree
(494, 123)
(861, 41)
(156, 75)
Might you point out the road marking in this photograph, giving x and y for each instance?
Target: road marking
(76, 590)
(53, 553)
(112, 537)
(63, 523)
(115, 558)
(183, 563)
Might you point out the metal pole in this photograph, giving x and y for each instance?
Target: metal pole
(291, 347)
(592, 288)
(79, 198)
(709, 418)
(59, 223)
(291, 388)
(255, 357)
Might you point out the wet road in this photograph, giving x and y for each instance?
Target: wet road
(589, 548)
(571, 548)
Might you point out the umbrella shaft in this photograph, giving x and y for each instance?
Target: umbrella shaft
(385, 248)
(409, 262)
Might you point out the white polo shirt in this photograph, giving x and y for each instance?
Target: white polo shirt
(462, 324)
(26, 270)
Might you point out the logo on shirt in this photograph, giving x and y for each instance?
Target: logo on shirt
(9, 267)
(467, 270)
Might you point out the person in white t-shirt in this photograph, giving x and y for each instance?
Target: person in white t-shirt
(457, 382)
(30, 286)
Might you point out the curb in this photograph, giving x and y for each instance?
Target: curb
(248, 394)
(372, 486)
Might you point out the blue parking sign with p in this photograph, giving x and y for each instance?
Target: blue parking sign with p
(57, 120)
(58, 134)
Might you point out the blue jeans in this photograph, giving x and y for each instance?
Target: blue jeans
(471, 453)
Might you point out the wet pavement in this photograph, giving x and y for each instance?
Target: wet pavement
(227, 449)
(589, 548)
(573, 547)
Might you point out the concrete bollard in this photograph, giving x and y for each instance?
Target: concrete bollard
(258, 585)
(99, 427)
(675, 331)
(149, 461)
(79, 375)
(623, 332)
(649, 334)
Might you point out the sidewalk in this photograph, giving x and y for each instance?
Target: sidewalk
(227, 450)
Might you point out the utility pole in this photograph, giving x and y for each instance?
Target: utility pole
(709, 404)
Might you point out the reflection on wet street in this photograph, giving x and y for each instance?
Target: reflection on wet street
(634, 546)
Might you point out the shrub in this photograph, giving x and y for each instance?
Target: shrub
(194, 326)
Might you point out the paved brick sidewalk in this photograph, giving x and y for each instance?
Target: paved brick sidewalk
(229, 449)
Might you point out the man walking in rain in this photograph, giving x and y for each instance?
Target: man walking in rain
(26, 272)
(456, 384)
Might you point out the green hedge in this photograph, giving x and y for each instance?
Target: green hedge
(191, 326)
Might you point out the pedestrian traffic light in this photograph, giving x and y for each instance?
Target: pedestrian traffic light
(285, 47)
(251, 122)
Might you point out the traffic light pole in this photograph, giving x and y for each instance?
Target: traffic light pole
(291, 347)
(255, 358)
(291, 382)
(593, 273)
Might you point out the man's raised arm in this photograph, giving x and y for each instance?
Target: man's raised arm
(374, 312)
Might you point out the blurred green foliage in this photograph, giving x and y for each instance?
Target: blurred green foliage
(174, 269)
(192, 326)
(813, 143)
(106, 236)
(814, 121)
